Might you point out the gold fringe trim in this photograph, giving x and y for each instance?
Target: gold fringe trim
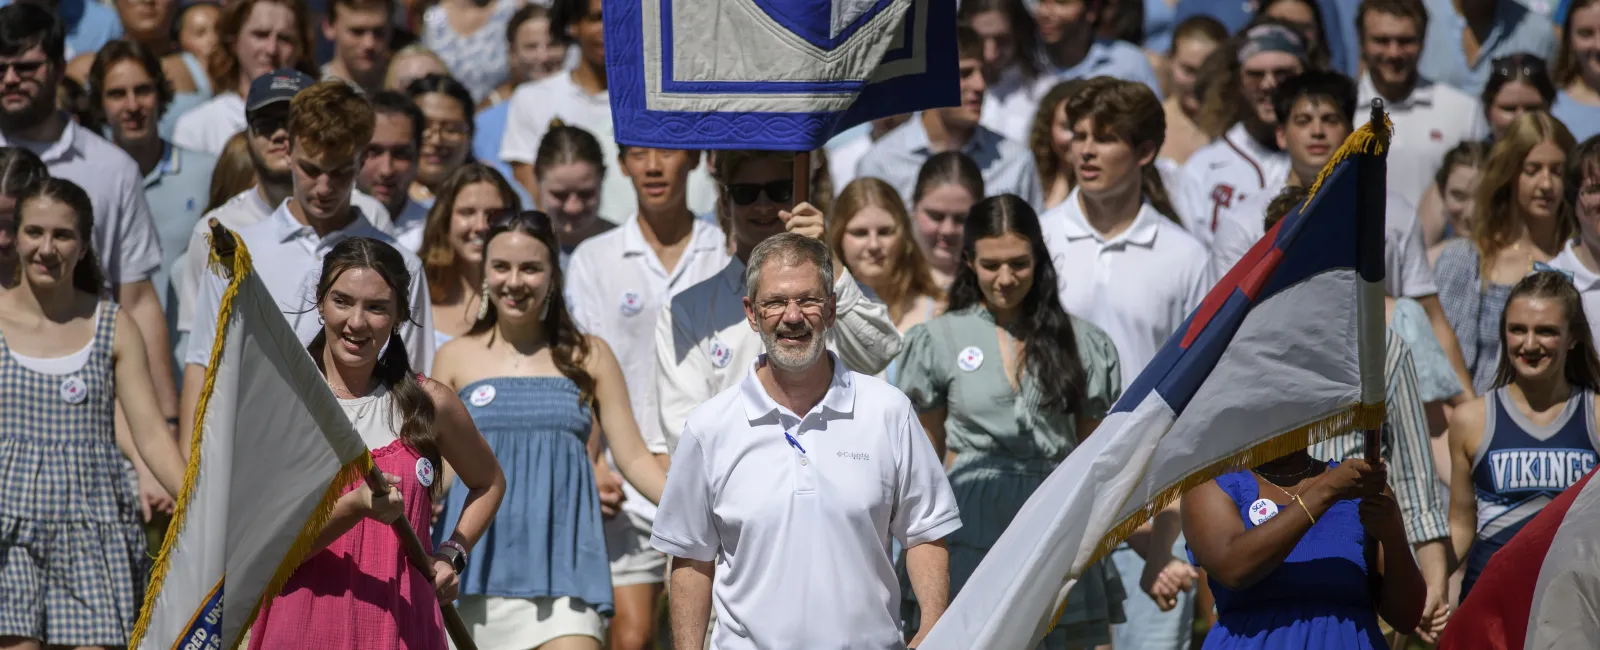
(1360, 417)
(1369, 140)
(351, 472)
(241, 268)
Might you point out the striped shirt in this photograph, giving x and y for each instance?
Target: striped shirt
(1404, 444)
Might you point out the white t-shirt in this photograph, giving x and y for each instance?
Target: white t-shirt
(800, 533)
(126, 242)
(1587, 282)
(535, 103)
(1138, 286)
(207, 127)
(1432, 121)
(1225, 173)
(408, 226)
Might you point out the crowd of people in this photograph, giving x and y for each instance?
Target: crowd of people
(622, 359)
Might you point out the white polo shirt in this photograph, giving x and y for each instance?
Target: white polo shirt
(207, 127)
(616, 286)
(1223, 174)
(801, 540)
(1587, 282)
(1138, 286)
(1406, 272)
(704, 343)
(288, 259)
(244, 209)
(125, 236)
(535, 103)
(408, 225)
(1431, 121)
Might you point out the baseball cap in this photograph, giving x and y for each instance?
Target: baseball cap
(280, 85)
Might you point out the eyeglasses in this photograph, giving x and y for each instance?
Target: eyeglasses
(22, 68)
(447, 130)
(809, 306)
(747, 193)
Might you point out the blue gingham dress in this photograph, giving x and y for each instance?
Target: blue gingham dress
(72, 552)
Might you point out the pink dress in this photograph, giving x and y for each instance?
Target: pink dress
(361, 593)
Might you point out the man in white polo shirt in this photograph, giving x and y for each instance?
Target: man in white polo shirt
(1239, 165)
(787, 489)
(125, 237)
(617, 283)
(329, 126)
(703, 344)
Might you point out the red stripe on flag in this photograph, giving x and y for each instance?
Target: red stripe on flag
(1248, 276)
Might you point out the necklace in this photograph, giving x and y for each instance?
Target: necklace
(1292, 495)
(1310, 467)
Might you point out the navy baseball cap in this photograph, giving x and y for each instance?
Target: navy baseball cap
(280, 85)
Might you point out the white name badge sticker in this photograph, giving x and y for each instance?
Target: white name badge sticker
(720, 354)
(481, 396)
(425, 472)
(632, 303)
(970, 359)
(1262, 510)
(74, 390)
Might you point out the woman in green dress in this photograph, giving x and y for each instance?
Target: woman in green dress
(1006, 383)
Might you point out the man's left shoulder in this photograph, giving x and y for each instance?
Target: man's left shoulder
(109, 160)
(880, 396)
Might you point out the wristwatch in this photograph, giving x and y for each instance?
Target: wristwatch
(455, 553)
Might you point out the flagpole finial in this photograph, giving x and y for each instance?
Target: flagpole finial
(1377, 110)
(221, 240)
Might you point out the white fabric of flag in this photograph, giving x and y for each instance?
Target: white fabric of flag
(272, 451)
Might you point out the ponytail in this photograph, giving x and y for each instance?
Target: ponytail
(1155, 191)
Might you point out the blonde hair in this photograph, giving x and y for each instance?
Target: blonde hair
(391, 78)
(234, 173)
(1494, 224)
(909, 273)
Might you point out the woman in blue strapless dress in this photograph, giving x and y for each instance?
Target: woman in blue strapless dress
(538, 389)
(1285, 547)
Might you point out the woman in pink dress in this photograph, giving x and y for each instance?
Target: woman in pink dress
(355, 589)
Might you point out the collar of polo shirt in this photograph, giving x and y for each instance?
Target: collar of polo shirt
(1142, 232)
(289, 229)
(840, 398)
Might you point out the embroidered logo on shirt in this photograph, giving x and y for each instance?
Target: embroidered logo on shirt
(720, 354)
(632, 303)
(1221, 197)
(1262, 510)
(970, 358)
(854, 455)
(425, 472)
(481, 396)
(1436, 135)
(73, 390)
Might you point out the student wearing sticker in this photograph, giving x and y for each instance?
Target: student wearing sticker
(540, 391)
(72, 564)
(1007, 383)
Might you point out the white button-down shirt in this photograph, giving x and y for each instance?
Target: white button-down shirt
(616, 286)
(125, 236)
(1587, 282)
(1225, 173)
(1431, 121)
(704, 343)
(1007, 166)
(1138, 286)
(800, 533)
(288, 256)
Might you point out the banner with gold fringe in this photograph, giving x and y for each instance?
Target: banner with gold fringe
(271, 452)
(1285, 351)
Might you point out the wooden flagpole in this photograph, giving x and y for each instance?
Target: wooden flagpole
(223, 243)
(802, 177)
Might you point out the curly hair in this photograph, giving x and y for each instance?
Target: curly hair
(331, 118)
(1041, 142)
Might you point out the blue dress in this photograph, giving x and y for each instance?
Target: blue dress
(546, 540)
(1316, 599)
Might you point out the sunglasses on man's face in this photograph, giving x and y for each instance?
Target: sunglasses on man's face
(266, 124)
(748, 193)
(22, 68)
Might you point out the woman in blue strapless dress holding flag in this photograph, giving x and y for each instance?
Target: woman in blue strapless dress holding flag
(1285, 548)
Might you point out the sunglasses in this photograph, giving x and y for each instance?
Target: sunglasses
(748, 193)
(266, 124)
(1515, 65)
(22, 68)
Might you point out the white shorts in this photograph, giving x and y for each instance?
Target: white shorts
(633, 561)
(520, 623)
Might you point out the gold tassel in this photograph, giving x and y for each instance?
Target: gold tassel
(191, 475)
(1359, 417)
(1367, 140)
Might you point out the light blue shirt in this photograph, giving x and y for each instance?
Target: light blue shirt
(1515, 29)
(1007, 166)
(1119, 59)
(1583, 120)
(177, 191)
(89, 25)
(1158, 24)
(489, 129)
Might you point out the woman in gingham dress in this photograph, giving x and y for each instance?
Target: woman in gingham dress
(72, 551)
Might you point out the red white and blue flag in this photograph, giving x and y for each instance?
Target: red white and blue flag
(1286, 350)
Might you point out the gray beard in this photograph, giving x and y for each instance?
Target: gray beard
(793, 361)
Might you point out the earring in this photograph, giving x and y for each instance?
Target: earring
(483, 302)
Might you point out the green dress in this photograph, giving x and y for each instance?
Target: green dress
(1006, 445)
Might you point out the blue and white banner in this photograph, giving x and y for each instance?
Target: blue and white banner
(772, 74)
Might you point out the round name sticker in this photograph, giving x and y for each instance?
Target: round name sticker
(720, 354)
(425, 472)
(73, 390)
(970, 359)
(632, 303)
(1262, 510)
(481, 396)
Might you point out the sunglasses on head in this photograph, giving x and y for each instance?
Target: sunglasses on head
(1520, 64)
(748, 193)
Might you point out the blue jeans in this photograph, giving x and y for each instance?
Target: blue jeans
(1149, 628)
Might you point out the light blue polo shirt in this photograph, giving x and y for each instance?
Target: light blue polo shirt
(1516, 29)
(1119, 59)
(177, 191)
(1583, 120)
(89, 25)
(1007, 166)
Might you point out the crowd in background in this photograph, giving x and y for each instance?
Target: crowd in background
(1147, 144)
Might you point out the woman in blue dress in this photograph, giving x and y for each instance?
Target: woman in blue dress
(539, 389)
(1285, 547)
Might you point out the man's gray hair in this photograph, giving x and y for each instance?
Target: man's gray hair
(789, 249)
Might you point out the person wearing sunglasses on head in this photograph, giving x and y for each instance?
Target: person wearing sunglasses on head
(619, 281)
